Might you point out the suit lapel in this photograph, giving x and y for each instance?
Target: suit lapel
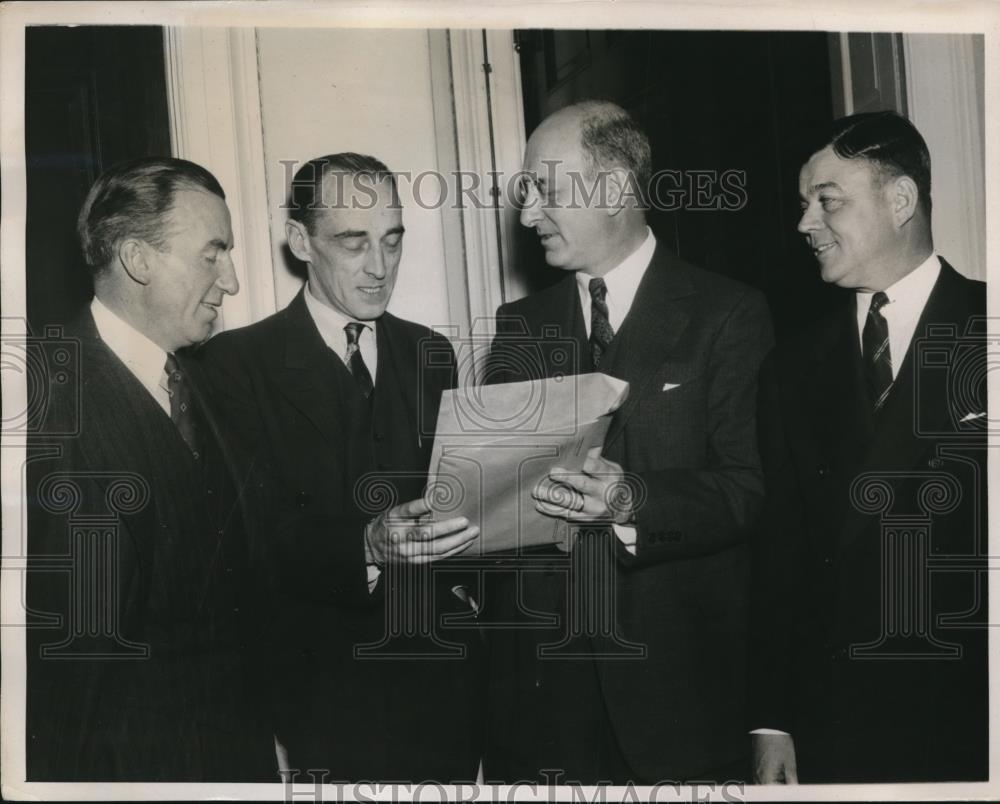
(918, 403)
(397, 379)
(660, 313)
(833, 393)
(310, 371)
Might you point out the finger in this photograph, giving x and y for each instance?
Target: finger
(409, 510)
(599, 465)
(411, 551)
(551, 509)
(791, 773)
(435, 530)
(586, 485)
(549, 491)
(424, 558)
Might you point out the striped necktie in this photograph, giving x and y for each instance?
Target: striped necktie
(877, 356)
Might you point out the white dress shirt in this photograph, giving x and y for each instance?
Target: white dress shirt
(907, 299)
(331, 323)
(622, 282)
(141, 356)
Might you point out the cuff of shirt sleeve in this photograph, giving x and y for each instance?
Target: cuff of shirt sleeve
(770, 731)
(627, 536)
(374, 572)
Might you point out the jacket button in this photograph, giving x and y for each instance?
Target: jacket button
(378, 438)
(302, 499)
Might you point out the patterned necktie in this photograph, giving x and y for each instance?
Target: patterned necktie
(601, 331)
(355, 362)
(182, 406)
(877, 356)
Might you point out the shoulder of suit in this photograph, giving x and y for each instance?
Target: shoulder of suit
(410, 329)
(540, 301)
(249, 336)
(706, 281)
(972, 290)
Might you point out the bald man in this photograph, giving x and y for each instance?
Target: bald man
(641, 679)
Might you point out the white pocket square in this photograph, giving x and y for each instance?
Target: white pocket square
(669, 386)
(972, 416)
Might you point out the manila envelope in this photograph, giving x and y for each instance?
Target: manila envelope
(494, 443)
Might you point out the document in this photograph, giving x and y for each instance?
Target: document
(494, 443)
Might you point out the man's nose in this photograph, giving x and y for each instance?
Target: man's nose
(227, 281)
(375, 267)
(531, 205)
(531, 209)
(810, 220)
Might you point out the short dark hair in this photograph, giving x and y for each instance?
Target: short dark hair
(891, 143)
(132, 199)
(306, 195)
(611, 138)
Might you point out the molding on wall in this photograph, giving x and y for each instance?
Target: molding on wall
(216, 122)
(945, 105)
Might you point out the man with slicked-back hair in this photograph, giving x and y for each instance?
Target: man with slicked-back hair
(140, 664)
(336, 399)
(869, 626)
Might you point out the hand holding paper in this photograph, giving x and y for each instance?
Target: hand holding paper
(497, 444)
(595, 494)
(404, 534)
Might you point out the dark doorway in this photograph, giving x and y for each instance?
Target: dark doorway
(714, 103)
(93, 96)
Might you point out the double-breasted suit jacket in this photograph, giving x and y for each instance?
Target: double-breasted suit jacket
(870, 587)
(333, 461)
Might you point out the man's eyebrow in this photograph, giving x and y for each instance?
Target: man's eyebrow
(395, 230)
(824, 185)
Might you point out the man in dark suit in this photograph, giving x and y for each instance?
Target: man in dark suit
(139, 546)
(641, 678)
(870, 586)
(337, 399)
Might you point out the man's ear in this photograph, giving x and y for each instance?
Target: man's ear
(905, 198)
(298, 240)
(622, 191)
(134, 257)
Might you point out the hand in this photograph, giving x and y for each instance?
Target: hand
(597, 494)
(402, 535)
(773, 759)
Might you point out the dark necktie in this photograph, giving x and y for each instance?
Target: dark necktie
(601, 331)
(877, 356)
(182, 406)
(355, 362)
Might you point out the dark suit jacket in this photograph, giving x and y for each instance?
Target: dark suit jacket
(154, 687)
(331, 463)
(873, 686)
(677, 710)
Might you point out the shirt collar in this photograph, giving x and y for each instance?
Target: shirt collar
(330, 322)
(140, 355)
(910, 291)
(623, 280)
